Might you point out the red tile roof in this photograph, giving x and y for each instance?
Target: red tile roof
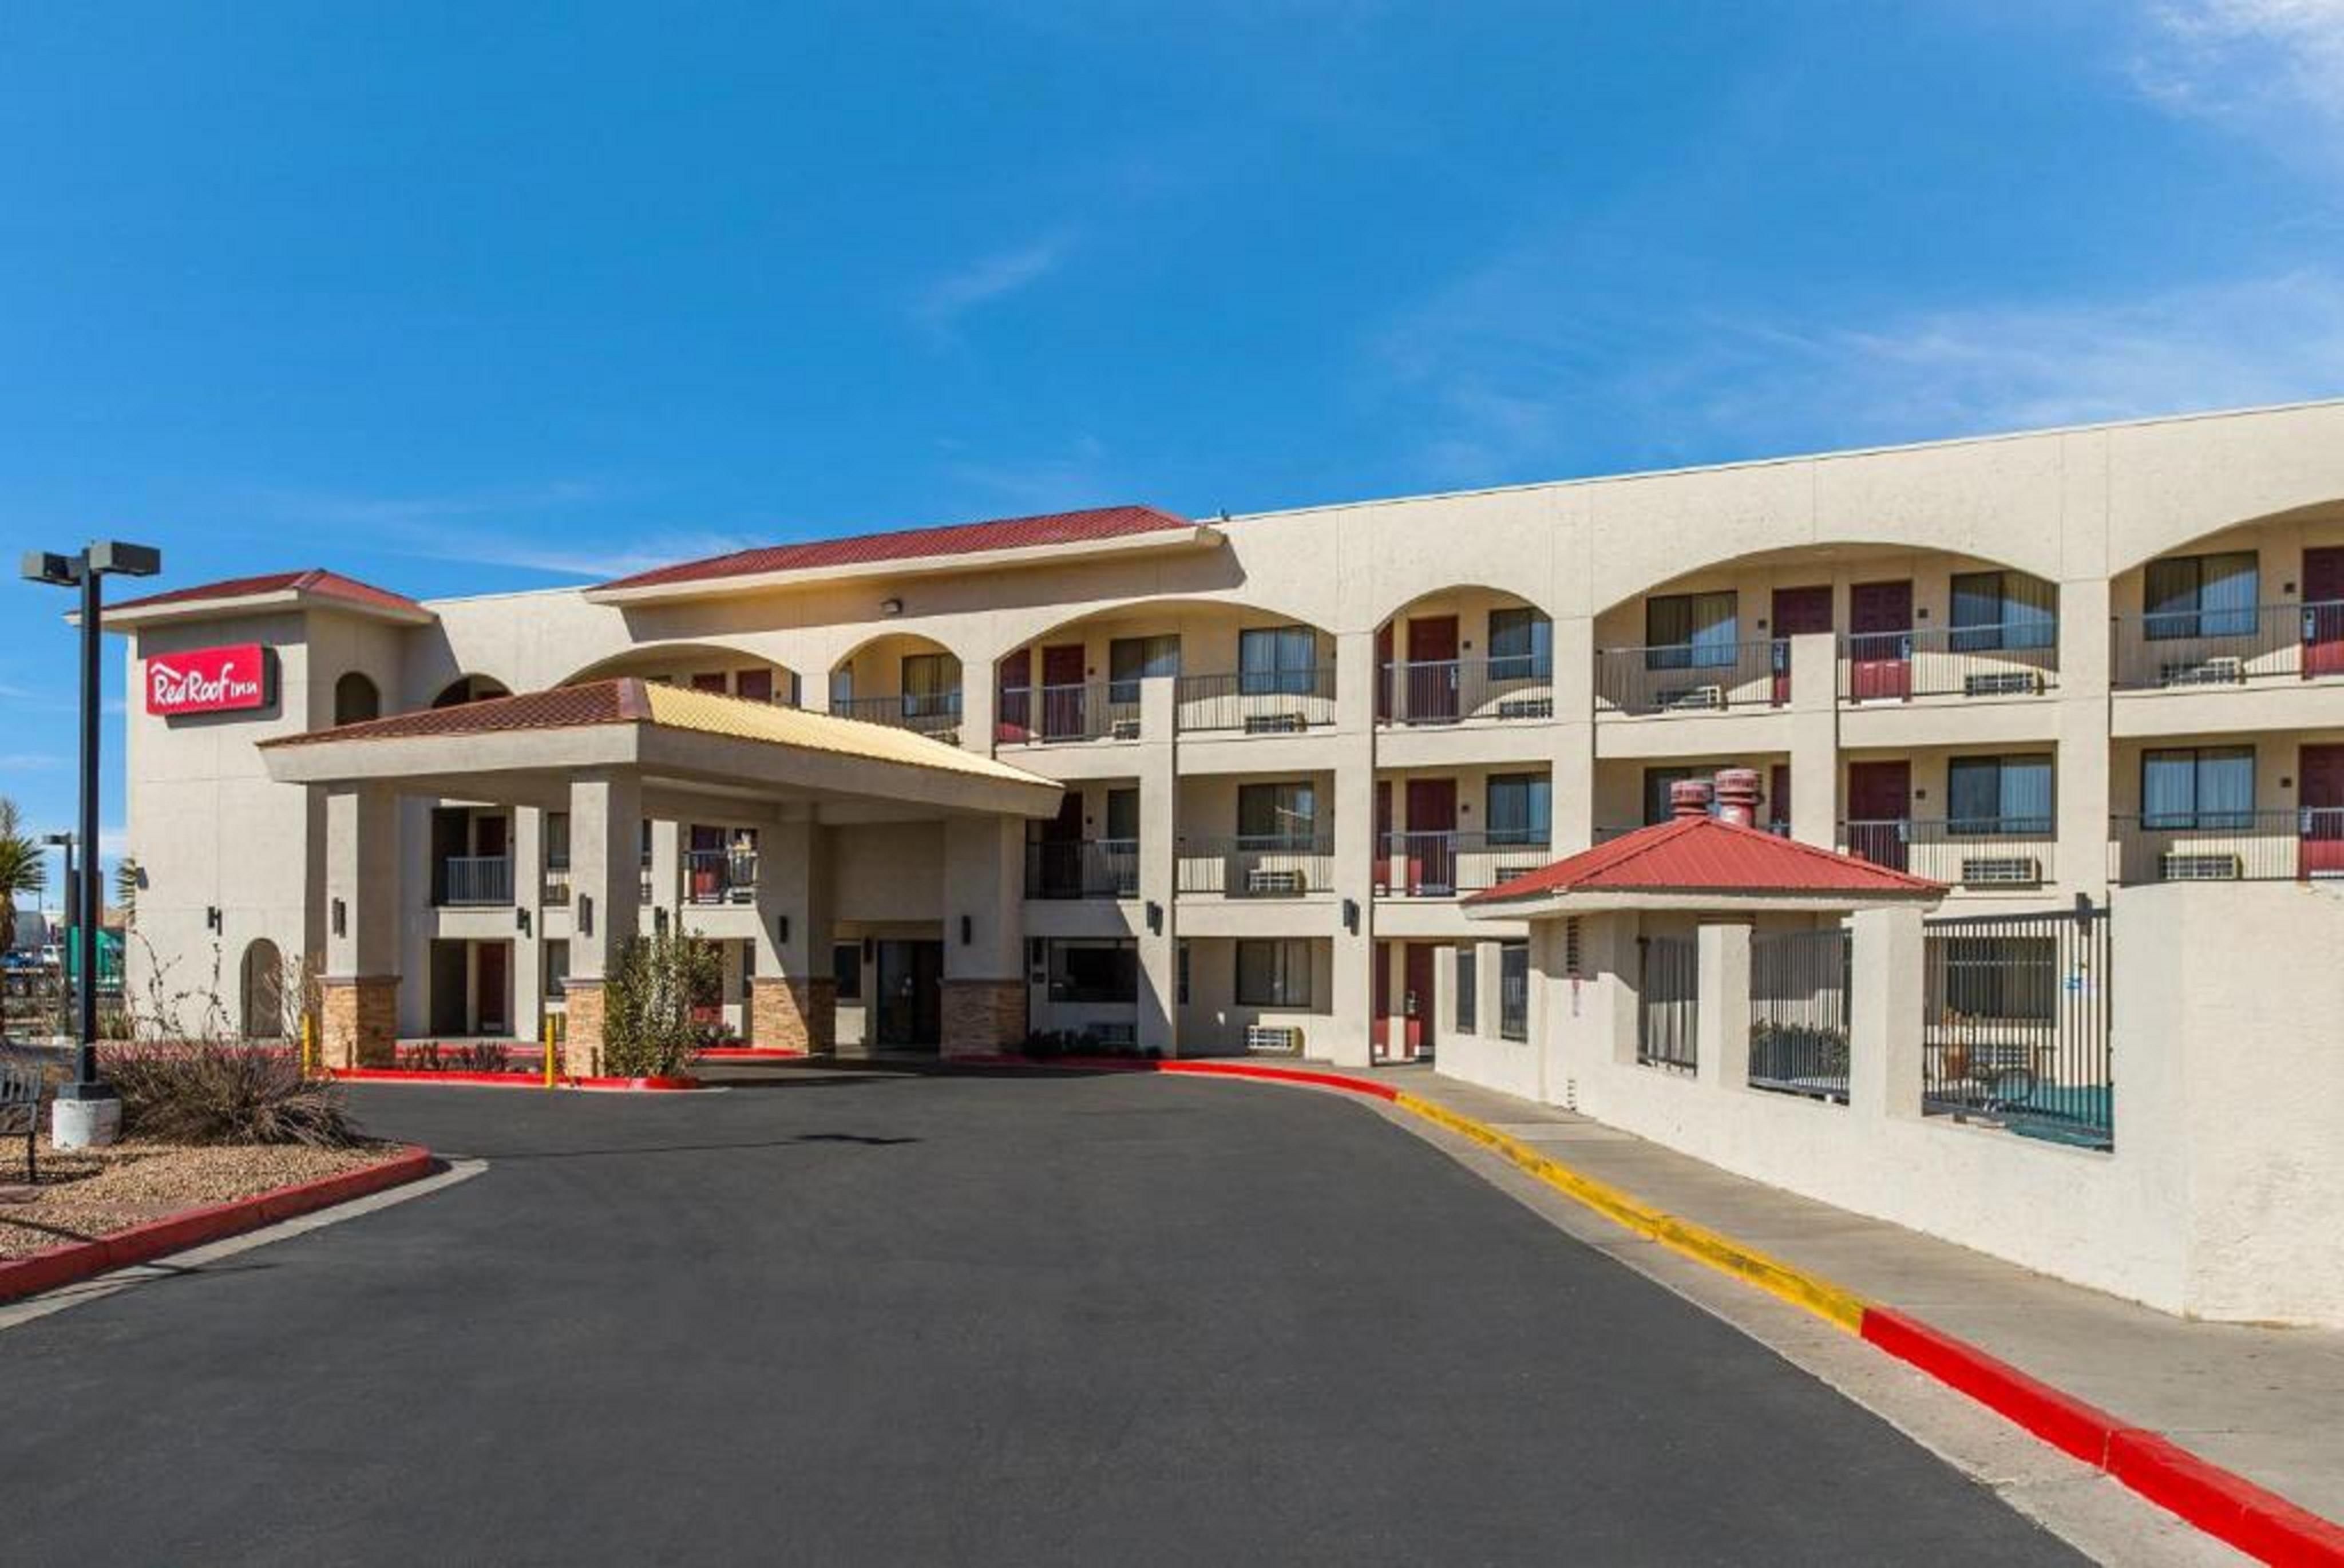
(906, 544)
(315, 580)
(617, 701)
(1704, 854)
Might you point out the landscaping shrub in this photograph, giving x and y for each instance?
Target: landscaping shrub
(482, 1056)
(647, 1000)
(215, 1093)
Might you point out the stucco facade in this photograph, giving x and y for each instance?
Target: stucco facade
(1275, 838)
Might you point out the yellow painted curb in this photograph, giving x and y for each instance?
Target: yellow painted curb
(1832, 1303)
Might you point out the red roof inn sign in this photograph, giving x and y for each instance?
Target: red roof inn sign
(208, 680)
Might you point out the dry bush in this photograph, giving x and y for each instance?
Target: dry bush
(212, 1092)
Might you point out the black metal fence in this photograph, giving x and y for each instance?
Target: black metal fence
(1083, 868)
(1690, 678)
(2230, 646)
(1668, 998)
(2230, 845)
(1257, 701)
(1453, 691)
(2016, 1024)
(1254, 867)
(2020, 660)
(1442, 865)
(935, 713)
(1798, 1013)
(1046, 715)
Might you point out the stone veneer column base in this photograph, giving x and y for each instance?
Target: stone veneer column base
(983, 1017)
(794, 1015)
(358, 1020)
(581, 1028)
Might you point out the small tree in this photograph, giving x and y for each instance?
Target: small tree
(22, 868)
(647, 1001)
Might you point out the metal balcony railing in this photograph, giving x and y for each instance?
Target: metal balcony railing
(720, 875)
(1086, 868)
(935, 714)
(1693, 678)
(1462, 691)
(2020, 660)
(553, 888)
(2230, 845)
(1442, 865)
(2219, 648)
(1261, 702)
(474, 880)
(1044, 715)
(1979, 852)
(1255, 867)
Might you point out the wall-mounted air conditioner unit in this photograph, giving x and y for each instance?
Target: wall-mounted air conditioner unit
(2003, 870)
(1124, 730)
(1684, 699)
(2003, 684)
(2199, 865)
(1283, 1039)
(2225, 671)
(1276, 724)
(1264, 881)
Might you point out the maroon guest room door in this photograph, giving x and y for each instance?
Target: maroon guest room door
(1879, 796)
(1431, 851)
(1880, 640)
(1418, 1003)
(1062, 690)
(1797, 612)
(2320, 770)
(2323, 611)
(1433, 668)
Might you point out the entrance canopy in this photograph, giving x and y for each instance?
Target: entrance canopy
(686, 747)
(1703, 864)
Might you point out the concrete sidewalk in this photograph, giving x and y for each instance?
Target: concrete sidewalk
(2266, 1402)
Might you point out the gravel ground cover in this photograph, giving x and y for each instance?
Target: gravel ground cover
(87, 1193)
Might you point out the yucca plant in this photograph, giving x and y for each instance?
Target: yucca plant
(23, 868)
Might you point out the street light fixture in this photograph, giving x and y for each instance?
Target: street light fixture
(85, 1111)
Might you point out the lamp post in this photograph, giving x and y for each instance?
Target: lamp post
(85, 1111)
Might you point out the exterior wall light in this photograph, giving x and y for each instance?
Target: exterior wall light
(341, 917)
(967, 930)
(890, 607)
(1155, 918)
(781, 929)
(1351, 915)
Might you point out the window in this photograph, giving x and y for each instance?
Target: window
(1520, 808)
(356, 700)
(842, 690)
(931, 684)
(710, 681)
(1274, 974)
(1103, 972)
(557, 841)
(1998, 795)
(1522, 646)
(1182, 952)
(1123, 818)
(1690, 630)
(1468, 997)
(1131, 660)
(847, 970)
(748, 970)
(1277, 659)
(557, 970)
(2201, 596)
(1997, 610)
(755, 685)
(1656, 789)
(1514, 991)
(2009, 977)
(2197, 788)
(1278, 815)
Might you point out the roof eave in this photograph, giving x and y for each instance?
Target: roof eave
(1707, 901)
(135, 618)
(1155, 542)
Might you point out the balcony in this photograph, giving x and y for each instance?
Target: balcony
(1464, 691)
(553, 887)
(2013, 661)
(717, 876)
(475, 881)
(935, 714)
(1443, 865)
(1693, 678)
(1051, 716)
(1257, 702)
(2229, 847)
(1976, 853)
(1086, 868)
(2196, 648)
(1265, 867)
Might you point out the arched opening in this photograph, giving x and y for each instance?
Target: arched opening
(356, 699)
(702, 667)
(1465, 655)
(261, 990)
(2253, 603)
(902, 679)
(469, 689)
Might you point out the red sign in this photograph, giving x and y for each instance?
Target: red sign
(208, 680)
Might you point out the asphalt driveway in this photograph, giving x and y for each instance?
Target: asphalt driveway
(872, 1318)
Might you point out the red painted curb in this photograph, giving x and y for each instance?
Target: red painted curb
(521, 1080)
(2221, 1502)
(746, 1054)
(1275, 1075)
(45, 1270)
(650, 1084)
(2061, 1420)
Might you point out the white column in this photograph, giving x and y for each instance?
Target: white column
(362, 882)
(1352, 753)
(1156, 922)
(1721, 1027)
(1885, 1021)
(605, 873)
(1815, 739)
(526, 972)
(1573, 761)
(2081, 856)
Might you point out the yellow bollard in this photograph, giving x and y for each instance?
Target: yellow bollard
(549, 1053)
(309, 1045)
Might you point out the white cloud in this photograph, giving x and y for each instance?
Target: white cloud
(942, 303)
(29, 761)
(500, 527)
(1514, 405)
(1074, 477)
(2261, 64)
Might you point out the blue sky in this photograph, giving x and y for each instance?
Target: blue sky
(464, 297)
